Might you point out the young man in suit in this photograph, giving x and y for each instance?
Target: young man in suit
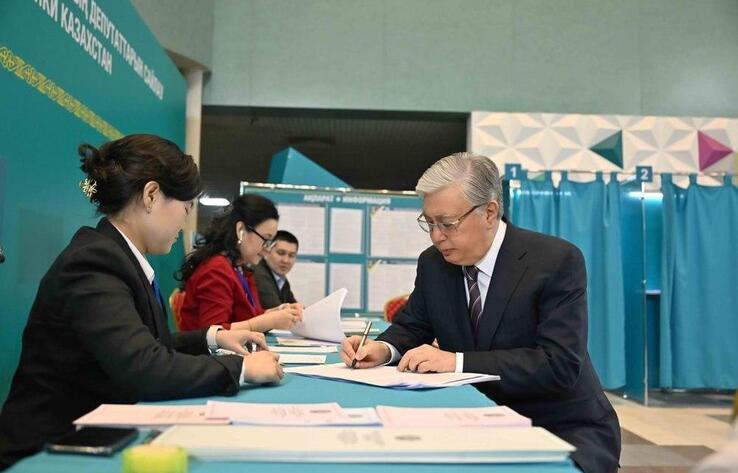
(500, 300)
(271, 272)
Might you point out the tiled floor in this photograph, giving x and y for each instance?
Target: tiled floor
(669, 439)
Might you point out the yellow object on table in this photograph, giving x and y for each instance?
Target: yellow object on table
(154, 459)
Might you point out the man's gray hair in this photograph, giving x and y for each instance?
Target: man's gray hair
(477, 175)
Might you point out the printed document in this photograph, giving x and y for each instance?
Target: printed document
(322, 320)
(368, 444)
(389, 377)
(446, 417)
(135, 415)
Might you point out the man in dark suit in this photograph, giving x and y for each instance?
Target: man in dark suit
(271, 272)
(500, 300)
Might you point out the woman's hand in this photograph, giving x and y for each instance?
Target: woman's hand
(283, 316)
(238, 341)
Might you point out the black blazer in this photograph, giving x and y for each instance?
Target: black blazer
(269, 293)
(96, 334)
(533, 333)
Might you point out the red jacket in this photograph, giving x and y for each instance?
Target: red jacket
(214, 296)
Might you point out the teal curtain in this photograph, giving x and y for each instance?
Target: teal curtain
(699, 295)
(588, 215)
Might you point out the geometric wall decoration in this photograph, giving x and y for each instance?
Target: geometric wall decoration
(578, 142)
(711, 150)
(611, 148)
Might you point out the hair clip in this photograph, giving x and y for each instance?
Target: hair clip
(88, 186)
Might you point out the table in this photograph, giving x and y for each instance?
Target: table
(294, 388)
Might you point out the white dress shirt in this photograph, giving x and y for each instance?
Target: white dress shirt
(486, 267)
(149, 273)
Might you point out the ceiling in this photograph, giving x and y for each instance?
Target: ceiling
(366, 149)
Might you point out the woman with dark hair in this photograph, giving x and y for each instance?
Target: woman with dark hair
(219, 285)
(97, 332)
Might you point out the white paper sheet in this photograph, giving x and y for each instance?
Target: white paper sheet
(318, 349)
(307, 280)
(322, 320)
(347, 275)
(302, 342)
(135, 415)
(367, 444)
(307, 223)
(448, 417)
(347, 228)
(396, 234)
(329, 413)
(387, 281)
(389, 377)
(295, 359)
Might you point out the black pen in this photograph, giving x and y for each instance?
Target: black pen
(363, 339)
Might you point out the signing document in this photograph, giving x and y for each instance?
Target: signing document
(368, 444)
(322, 320)
(389, 377)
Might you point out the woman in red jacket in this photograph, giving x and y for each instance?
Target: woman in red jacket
(219, 286)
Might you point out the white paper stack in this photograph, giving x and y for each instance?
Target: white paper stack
(316, 349)
(303, 342)
(154, 417)
(290, 414)
(368, 444)
(389, 377)
(451, 417)
(293, 359)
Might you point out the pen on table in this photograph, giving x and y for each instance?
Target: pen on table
(363, 340)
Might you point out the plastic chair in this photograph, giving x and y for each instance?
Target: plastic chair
(176, 299)
(393, 306)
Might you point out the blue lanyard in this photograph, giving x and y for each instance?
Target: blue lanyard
(245, 285)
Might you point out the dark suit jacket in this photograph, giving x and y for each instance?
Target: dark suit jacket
(269, 293)
(533, 333)
(96, 334)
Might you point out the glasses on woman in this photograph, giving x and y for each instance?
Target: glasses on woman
(445, 227)
(268, 243)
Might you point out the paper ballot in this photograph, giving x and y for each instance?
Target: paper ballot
(329, 413)
(316, 349)
(368, 444)
(445, 417)
(127, 415)
(389, 377)
(322, 320)
(295, 359)
(302, 342)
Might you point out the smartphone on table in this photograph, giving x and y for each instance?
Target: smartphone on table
(93, 441)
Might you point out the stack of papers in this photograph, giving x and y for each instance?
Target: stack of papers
(437, 417)
(389, 377)
(302, 342)
(316, 349)
(355, 326)
(368, 444)
(154, 417)
(290, 414)
(292, 359)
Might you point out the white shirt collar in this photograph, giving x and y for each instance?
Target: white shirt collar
(487, 264)
(145, 265)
